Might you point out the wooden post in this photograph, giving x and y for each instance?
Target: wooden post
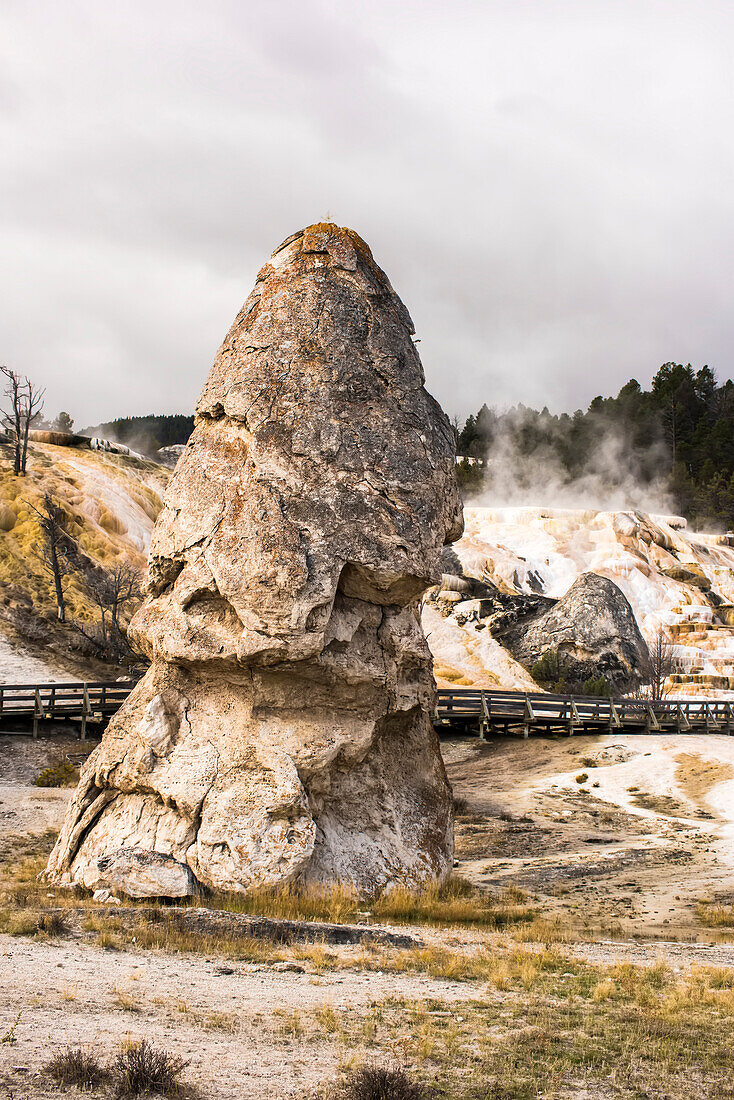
(573, 717)
(613, 716)
(85, 712)
(529, 717)
(37, 711)
(485, 719)
(653, 726)
(683, 724)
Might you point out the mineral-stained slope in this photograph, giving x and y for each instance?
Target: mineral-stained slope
(676, 580)
(283, 730)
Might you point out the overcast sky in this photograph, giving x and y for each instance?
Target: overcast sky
(549, 185)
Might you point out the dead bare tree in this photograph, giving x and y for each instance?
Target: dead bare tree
(662, 664)
(112, 591)
(10, 417)
(32, 409)
(57, 550)
(124, 589)
(24, 407)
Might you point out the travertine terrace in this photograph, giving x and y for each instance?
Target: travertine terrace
(282, 732)
(676, 580)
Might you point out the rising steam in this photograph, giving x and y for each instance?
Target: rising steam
(611, 475)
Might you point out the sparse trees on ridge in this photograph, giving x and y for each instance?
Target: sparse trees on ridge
(63, 423)
(675, 438)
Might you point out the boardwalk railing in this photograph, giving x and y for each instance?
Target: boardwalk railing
(91, 702)
(467, 710)
(477, 711)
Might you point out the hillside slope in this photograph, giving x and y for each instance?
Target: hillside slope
(111, 502)
(679, 580)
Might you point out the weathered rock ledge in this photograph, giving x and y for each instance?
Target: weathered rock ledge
(206, 922)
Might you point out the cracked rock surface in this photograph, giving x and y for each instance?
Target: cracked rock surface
(283, 732)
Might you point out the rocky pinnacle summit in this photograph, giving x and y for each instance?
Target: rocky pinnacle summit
(282, 732)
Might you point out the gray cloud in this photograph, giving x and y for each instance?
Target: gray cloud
(549, 185)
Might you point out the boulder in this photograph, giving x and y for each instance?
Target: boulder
(141, 874)
(283, 730)
(594, 631)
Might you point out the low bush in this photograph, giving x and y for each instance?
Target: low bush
(61, 774)
(549, 668)
(597, 687)
(381, 1083)
(53, 924)
(141, 1070)
(75, 1067)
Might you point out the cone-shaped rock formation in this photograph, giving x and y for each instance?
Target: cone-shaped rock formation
(282, 731)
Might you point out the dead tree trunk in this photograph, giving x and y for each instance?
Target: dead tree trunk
(57, 550)
(32, 409)
(24, 405)
(662, 663)
(10, 417)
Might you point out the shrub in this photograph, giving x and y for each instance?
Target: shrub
(53, 924)
(598, 687)
(582, 777)
(382, 1083)
(141, 1070)
(74, 1067)
(61, 774)
(549, 668)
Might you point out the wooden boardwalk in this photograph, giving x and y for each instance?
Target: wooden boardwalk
(82, 703)
(458, 710)
(469, 710)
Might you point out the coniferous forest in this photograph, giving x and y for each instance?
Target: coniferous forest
(679, 433)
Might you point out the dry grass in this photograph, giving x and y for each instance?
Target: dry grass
(535, 1021)
(663, 804)
(23, 898)
(552, 1026)
(33, 923)
(456, 902)
(125, 1000)
(715, 916)
(336, 903)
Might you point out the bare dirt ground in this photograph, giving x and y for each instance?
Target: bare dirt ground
(25, 808)
(627, 833)
(235, 1022)
(625, 854)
